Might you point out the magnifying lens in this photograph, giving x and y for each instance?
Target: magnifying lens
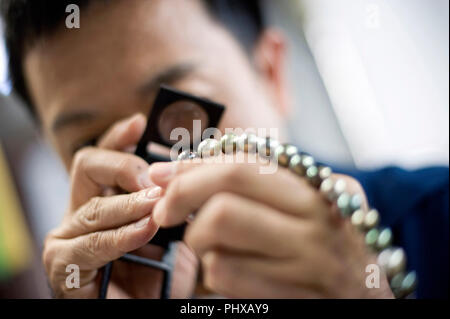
(172, 110)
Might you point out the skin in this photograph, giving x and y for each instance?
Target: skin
(96, 82)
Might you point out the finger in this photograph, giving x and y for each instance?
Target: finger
(185, 272)
(162, 173)
(94, 168)
(232, 222)
(94, 250)
(234, 277)
(102, 213)
(124, 133)
(283, 191)
(307, 274)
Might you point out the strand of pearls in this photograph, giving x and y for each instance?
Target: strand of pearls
(391, 259)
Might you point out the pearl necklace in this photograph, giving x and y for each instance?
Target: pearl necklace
(392, 260)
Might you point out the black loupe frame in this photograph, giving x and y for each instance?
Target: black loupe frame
(166, 97)
(165, 238)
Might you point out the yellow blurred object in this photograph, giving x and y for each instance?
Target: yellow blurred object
(15, 241)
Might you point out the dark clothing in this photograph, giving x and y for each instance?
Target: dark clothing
(415, 204)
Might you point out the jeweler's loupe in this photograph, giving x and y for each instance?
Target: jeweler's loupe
(174, 110)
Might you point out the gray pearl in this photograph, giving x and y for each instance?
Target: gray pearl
(267, 147)
(312, 174)
(184, 155)
(396, 263)
(409, 283)
(372, 237)
(229, 143)
(325, 172)
(209, 148)
(187, 155)
(327, 186)
(343, 203)
(332, 190)
(317, 175)
(247, 143)
(371, 219)
(396, 284)
(295, 164)
(284, 153)
(384, 239)
(357, 219)
(356, 202)
(299, 164)
(383, 258)
(307, 161)
(403, 284)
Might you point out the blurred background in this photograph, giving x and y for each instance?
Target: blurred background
(370, 80)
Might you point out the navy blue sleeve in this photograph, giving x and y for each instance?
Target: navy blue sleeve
(415, 204)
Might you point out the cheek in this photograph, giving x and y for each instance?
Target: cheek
(248, 106)
(63, 151)
(245, 110)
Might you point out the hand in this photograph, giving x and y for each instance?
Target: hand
(98, 229)
(264, 236)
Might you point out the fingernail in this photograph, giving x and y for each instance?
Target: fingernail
(142, 223)
(149, 195)
(144, 180)
(162, 171)
(127, 123)
(138, 119)
(153, 193)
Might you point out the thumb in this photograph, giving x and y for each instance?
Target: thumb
(124, 133)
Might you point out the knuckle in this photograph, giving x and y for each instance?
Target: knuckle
(49, 237)
(55, 267)
(192, 238)
(48, 256)
(196, 239)
(218, 211)
(119, 237)
(130, 203)
(80, 157)
(92, 243)
(90, 214)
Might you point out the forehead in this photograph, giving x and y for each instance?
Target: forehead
(118, 45)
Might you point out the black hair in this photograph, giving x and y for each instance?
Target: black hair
(26, 21)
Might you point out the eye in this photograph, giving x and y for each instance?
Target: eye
(90, 142)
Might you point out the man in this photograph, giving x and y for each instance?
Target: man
(256, 236)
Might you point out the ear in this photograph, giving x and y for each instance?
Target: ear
(270, 58)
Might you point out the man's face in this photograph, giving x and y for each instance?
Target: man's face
(83, 80)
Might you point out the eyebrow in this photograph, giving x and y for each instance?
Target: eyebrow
(72, 118)
(167, 76)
